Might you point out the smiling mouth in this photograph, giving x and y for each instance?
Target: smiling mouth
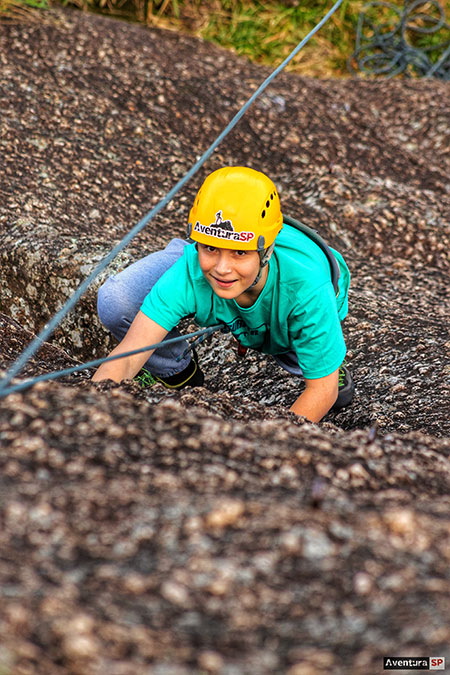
(223, 283)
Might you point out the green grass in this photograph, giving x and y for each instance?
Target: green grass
(266, 32)
(17, 9)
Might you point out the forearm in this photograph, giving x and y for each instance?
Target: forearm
(308, 406)
(317, 398)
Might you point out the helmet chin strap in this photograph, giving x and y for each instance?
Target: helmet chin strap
(264, 257)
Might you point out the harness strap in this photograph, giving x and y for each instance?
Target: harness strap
(317, 239)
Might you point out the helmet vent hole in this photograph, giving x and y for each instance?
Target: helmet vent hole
(267, 203)
(263, 214)
(271, 196)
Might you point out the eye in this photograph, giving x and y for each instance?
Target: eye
(241, 253)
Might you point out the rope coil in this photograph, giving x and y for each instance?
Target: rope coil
(391, 48)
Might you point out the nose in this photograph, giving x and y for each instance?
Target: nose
(223, 263)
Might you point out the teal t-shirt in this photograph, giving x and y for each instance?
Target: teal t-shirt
(297, 310)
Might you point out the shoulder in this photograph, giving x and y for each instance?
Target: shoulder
(185, 269)
(190, 260)
(301, 262)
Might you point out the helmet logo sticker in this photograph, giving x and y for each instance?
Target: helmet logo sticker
(223, 229)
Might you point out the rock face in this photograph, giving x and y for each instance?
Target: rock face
(211, 531)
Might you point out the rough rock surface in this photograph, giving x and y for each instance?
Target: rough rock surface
(211, 531)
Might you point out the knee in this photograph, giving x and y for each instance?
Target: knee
(113, 306)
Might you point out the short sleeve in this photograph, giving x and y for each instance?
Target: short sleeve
(171, 298)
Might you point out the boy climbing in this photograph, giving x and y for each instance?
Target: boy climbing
(267, 281)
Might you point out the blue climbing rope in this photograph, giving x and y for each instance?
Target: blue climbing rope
(201, 335)
(57, 318)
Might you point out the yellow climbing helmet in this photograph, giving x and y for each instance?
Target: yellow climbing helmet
(236, 208)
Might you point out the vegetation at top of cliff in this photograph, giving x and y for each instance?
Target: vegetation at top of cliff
(263, 30)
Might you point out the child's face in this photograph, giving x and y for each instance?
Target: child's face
(230, 273)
